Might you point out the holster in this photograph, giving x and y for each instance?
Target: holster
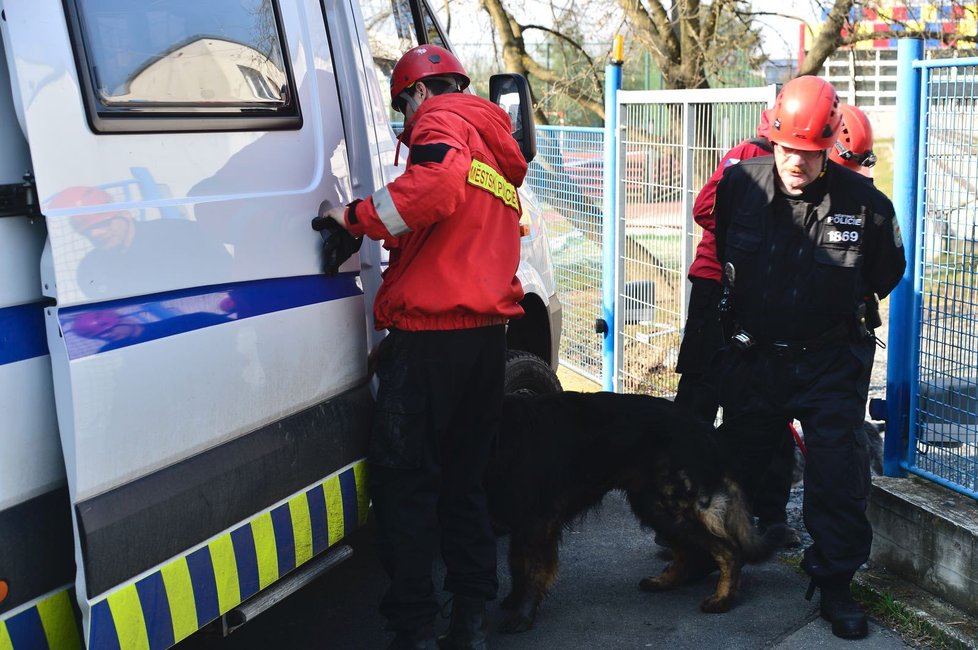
(726, 315)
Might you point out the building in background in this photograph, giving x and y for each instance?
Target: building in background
(865, 74)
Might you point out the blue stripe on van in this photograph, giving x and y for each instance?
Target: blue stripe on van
(26, 630)
(247, 560)
(156, 611)
(284, 538)
(348, 485)
(95, 328)
(102, 635)
(316, 498)
(23, 333)
(205, 588)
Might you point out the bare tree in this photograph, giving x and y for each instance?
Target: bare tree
(690, 40)
(584, 87)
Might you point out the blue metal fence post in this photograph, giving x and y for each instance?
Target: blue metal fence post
(899, 369)
(612, 84)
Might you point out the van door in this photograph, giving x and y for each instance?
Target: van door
(36, 550)
(209, 380)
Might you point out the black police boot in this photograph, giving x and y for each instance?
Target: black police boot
(468, 627)
(422, 638)
(839, 607)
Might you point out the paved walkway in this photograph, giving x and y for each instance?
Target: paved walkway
(596, 604)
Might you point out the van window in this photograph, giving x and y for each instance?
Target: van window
(392, 31)
(143, 60)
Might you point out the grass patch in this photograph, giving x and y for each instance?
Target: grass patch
(912, 628)
(886, 610)
(883, 169)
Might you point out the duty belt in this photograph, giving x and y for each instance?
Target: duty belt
(836, 336)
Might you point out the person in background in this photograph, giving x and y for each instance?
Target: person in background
(806, 245)
(451, 222)
(703, 338)
(854, 148)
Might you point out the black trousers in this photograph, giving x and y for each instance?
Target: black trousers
(437, 413)
(698, 393)
(827, 391)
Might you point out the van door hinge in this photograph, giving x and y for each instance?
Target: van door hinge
(20, 199)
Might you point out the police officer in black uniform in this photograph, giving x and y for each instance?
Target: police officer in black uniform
(807, 246)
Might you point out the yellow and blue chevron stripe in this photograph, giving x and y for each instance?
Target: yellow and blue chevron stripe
(50, 624)
(171, 603)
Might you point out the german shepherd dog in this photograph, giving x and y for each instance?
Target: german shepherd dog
(559, 454)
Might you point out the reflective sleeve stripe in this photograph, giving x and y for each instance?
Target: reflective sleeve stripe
(127, 613)
(363, 498)
(180, 594)
(387, 211)
(58, 620)
(301, 528)
(265, 550)
(334, 509)
(225, 573)
(485, 177)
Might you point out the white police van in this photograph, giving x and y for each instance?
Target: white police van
(183, 394)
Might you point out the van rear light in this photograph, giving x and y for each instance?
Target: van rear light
(4, 590)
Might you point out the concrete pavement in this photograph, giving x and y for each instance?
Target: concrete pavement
(596, 603)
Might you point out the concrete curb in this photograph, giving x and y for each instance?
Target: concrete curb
(957, 625)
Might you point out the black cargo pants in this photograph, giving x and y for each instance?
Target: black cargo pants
(826, 390)
(436, 416)
(698, 394)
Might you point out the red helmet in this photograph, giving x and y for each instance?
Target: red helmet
(806, 115)
(425, 61)
(854, 148)
(80, 196)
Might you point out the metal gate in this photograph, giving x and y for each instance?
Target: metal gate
(669, 143)
(933, 362)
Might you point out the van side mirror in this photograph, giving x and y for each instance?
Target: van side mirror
(511, 92)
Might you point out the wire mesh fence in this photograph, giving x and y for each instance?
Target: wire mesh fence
(945, 413)
(670, 144)
(567, 177)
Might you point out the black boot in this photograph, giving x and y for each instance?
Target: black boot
(839, 607)
(422, 638)
(468, 626)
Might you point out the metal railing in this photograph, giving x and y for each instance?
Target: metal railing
(669, 144)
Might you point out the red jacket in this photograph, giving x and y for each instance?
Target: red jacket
(451, 220)
(705, 264)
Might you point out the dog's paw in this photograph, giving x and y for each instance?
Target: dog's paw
(514, 622)
(654, 583)
(716, 605)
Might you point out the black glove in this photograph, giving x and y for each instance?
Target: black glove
(338, 244)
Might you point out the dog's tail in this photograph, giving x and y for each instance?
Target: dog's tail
(729, 518)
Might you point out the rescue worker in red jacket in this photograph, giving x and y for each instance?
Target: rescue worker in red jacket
(451, 222)
(805, 244)
(702, 340)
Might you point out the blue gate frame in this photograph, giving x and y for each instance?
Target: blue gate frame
(932, 375)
